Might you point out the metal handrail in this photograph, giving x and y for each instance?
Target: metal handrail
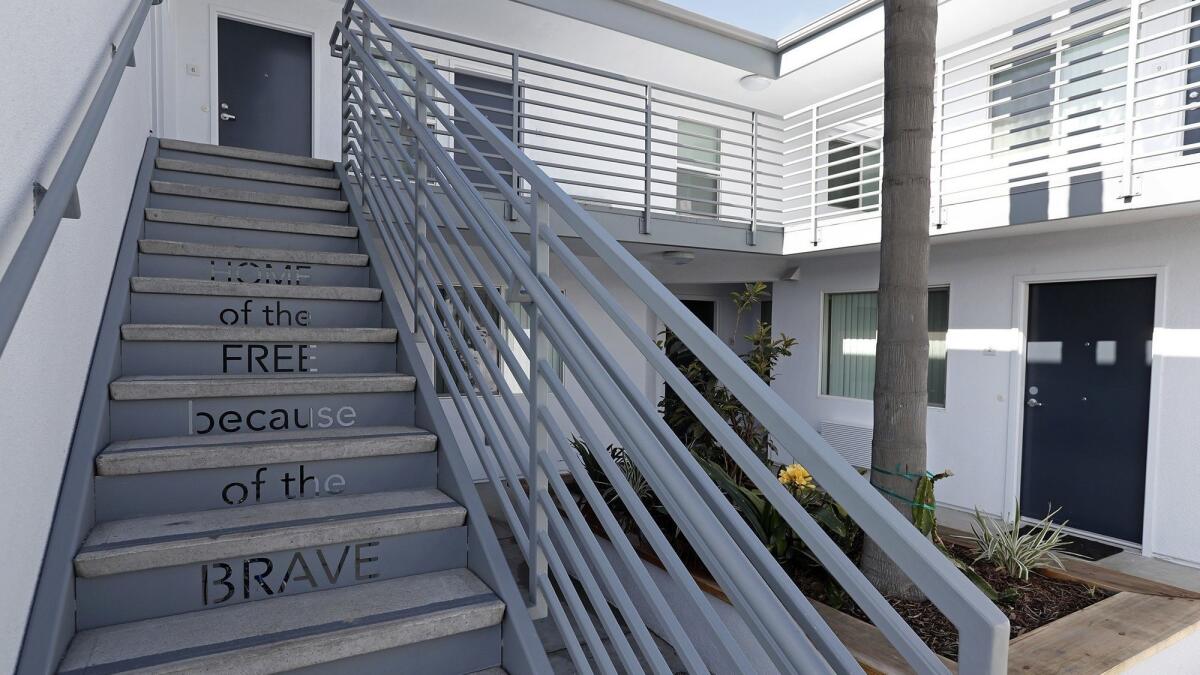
(55, 202)
(442, 233)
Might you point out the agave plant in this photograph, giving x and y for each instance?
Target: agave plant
(1017, 553)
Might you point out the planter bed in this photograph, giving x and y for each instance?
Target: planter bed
(1118, 631)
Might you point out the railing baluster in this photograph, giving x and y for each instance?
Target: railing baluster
(647, 157)
(539, 258)
(1131, 63)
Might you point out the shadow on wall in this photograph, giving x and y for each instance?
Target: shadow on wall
(1031, 203)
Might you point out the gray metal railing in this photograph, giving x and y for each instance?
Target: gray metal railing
(60, 200)
(612, 140)
(429, 165)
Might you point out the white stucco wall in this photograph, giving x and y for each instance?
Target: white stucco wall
(977, 433)
(45, 88)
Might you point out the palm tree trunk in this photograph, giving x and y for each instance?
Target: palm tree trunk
(902, 350)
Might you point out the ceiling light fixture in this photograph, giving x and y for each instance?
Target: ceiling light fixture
(755, 82)
(678, 257)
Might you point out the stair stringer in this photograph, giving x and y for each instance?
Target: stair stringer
(522, 650)
(51, 622)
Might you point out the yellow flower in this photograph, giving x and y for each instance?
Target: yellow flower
(796, 477)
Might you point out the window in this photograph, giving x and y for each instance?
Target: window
(697, 193)
(851, 325)
(1082, 73)
(494, 98)
(522, 358)
(856, 167)
(697, 181)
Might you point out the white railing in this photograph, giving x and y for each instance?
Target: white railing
(1067, 115)
(610, 140)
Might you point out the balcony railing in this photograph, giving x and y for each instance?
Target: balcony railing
(1067, 115)
(610, 140)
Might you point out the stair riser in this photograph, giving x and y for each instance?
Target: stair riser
(205, 234)
(217, 310)
(463, 653)
(246, 358)
(202, 489)
(250, 271)
(252, 184)
(244, 163)
(246, 209)
(146, 594)
(247, 415)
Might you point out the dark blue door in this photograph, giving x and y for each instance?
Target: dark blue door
(1087, 404)
(264, 88)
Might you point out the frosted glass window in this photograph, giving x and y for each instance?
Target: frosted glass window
(851, 329)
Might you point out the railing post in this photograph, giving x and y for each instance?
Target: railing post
(535, 475)
(812, 174)
(645, 228)
(935, 178)
(420, 184)
(509, 210)
(752, 235)
(1131, 59)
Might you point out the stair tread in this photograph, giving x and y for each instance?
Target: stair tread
(198, 250)
(168, 540)
(186, 217)
(179, 286)
(210, 169)
(295, 631)
(165, 187)
(246, 153)
(146, 387)
(182, 453)
(209, 333)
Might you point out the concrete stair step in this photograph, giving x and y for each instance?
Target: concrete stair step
(189, 453)
(208, 219)
(183, 349)
(135, 544)
(324, 627)
(204, 333)
(247, 253)
(251, 265)
(143, 388)
(246, 154)
(241, 309)
(245, 173)
(173, 474)
(246, 196)
(173, 286)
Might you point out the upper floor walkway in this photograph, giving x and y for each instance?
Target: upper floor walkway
(1077, 110)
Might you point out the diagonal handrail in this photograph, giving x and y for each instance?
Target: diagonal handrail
(387, 164)
(53, 205)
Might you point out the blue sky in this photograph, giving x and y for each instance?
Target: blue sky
(772, 18)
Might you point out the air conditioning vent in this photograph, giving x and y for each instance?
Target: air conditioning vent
(852, 442)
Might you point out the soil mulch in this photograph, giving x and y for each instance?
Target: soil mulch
(1039, 601)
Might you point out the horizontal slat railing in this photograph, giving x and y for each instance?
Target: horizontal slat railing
(615, 141)
(55, 203)
(526, 371)
(1100, 91)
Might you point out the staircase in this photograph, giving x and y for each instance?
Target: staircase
(266, 503)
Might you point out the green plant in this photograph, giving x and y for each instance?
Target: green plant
(764, 353)
(1017, 553)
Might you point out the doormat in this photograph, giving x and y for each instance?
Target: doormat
(1084, 548)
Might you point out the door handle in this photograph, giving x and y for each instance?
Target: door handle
(225, 117)
(1033, 403)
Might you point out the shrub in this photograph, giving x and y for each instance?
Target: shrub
(1017, 553)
